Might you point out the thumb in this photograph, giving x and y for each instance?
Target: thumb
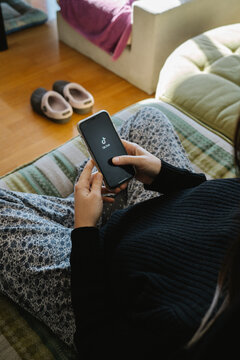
(97, 182)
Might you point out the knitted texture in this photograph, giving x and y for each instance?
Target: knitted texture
(162, 258)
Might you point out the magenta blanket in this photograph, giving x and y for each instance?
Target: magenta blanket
(106, 23)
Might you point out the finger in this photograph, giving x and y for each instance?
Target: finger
(97, 183)
(86, 174)
(128, 143)
(127, 160)
(108, 199)
(124, 186)
(130, 147)
(116, 190)
(94, 162)
(107, 191)
(93, 175)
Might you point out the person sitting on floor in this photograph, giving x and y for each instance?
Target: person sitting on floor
(132, 277)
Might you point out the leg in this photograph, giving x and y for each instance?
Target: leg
(35, 247)
(152, 130)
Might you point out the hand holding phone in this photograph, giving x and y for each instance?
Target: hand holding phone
(104, 144)
(88, 202)
(89, 195)
(147, 166)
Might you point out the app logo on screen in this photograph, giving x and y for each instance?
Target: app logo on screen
(104, 143)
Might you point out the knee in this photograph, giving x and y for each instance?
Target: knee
(151, 115)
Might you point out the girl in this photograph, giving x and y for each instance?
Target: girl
(134, 276)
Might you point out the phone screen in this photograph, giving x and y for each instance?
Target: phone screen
(104, 143)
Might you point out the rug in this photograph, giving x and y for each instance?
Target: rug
(18, 15)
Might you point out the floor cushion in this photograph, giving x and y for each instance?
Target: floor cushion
(201, 78)
(18, 15)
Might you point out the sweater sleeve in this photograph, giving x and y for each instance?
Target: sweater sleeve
(98, 332)
(171, 178)
(87, 288)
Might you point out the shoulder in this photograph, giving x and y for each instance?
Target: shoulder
(227, 183)
(222, 188)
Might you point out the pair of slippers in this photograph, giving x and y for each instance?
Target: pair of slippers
(58, 104)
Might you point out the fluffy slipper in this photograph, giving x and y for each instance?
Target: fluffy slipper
(51, 105)
(78, 97)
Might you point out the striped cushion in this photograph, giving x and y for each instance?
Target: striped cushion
(51, 174)
(24, 337)
(21, 336)
(54, 173)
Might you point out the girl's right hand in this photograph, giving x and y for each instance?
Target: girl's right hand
(147, 166)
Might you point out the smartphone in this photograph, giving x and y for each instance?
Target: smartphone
(104, 143)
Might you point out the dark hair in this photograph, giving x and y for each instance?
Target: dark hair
(228, 284)
(229, 275)
(237, 147)
(230, 272)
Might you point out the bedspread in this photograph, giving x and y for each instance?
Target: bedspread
(106, 23)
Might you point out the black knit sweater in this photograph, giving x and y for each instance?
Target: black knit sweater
(142, 283)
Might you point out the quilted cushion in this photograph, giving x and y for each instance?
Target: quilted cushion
(202, 79)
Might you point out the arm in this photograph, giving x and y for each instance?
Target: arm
(99, 330)
(87, 289)
(95, 317)
(102, 327)
(171, 178)
(87, 268)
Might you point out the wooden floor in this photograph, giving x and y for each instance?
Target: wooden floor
(36, 58)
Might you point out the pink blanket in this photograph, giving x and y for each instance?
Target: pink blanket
(106, 23)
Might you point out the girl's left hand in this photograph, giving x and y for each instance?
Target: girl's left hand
(89, 196)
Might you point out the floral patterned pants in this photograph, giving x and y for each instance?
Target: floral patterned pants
(35, 242)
